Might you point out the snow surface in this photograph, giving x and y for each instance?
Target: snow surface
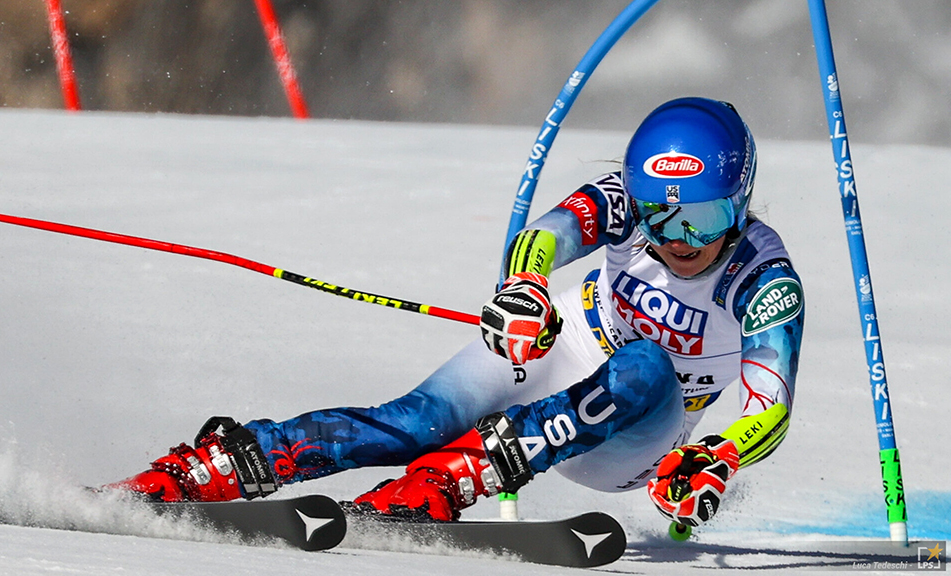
(112, 353)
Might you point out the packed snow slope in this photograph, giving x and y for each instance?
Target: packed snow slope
(111, 353)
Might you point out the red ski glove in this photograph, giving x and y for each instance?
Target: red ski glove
(691, 480)
(486, 460)
(219, 467)
(519, 322)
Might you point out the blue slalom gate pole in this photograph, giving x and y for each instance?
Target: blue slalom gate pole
(559, 110)
(888, 450)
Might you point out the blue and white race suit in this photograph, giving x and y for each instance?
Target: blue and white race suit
(641, 355)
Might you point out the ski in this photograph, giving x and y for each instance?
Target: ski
(310, 522)
(585, 541)
(316, 522)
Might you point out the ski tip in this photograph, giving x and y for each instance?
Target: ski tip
(312, 522)
(602, 537)
(324, 523)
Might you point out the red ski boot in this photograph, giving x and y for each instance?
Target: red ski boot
(437, 486)
(219, 467)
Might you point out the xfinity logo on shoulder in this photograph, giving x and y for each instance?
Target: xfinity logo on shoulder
(586, 211)
(673, 165)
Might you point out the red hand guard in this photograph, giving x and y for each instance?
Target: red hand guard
(691, 480)
(438, 485)
(519, 322)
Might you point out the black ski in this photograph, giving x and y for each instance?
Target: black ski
(318, 523)
(309, 522)
(585, 541)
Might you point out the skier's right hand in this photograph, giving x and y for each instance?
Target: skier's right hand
(219, 467)
(519, 322)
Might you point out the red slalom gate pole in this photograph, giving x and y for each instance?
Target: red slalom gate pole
(64, 59)
(321, 285)
(282, 58)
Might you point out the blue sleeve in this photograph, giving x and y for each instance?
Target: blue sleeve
(770, 307)
(596, 214)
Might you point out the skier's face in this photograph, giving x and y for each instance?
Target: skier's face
(684, 260)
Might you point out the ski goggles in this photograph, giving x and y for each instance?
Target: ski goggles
(698, 224)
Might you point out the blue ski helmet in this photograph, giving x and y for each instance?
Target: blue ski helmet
(689, 170)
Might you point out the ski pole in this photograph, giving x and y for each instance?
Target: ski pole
(321, 285)
(63, 55)
(888, 451)
(559, 110)
(282, 59)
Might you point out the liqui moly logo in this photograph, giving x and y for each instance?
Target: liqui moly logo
(658, 316)
(673, 165)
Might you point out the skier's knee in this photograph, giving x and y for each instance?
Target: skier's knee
(646, 370)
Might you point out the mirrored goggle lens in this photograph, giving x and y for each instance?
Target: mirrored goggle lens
(696, 224)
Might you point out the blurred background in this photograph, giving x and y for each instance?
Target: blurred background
(494, 61)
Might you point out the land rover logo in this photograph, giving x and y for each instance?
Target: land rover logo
(775, 303)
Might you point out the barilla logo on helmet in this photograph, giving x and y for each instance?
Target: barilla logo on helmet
(673, 165)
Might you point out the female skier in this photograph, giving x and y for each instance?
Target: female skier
(693, 294)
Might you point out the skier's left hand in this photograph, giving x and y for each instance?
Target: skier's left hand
(691, 480)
